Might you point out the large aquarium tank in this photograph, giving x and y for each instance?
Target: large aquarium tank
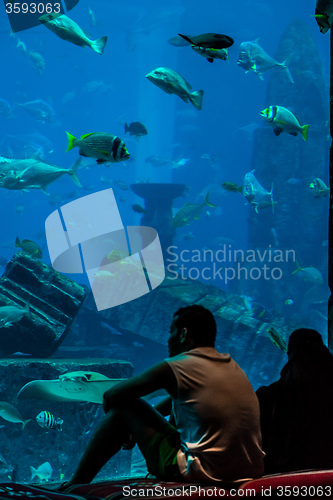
(141, 171)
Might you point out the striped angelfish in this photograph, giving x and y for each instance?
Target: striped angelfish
(105, 147)
(48, 421)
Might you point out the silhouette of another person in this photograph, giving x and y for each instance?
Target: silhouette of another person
(297, 410)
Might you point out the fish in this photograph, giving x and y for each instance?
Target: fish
(138, 209)
(324, 15)
(283, 120)
(252, 57)
(157, 161)
(29, 247)
(319, 188)
(179, 163)
(190, 212)
(256, 194)
(289, 302)
(67, 29)
(11, 414)
(210, 40)
(232, 187)
(277, 339)
(37, 61)
(136, 128)
(178, 41)
(43, 472)
(34, 173)
(172, 82)
(310, 274)
(39, 109)
(48, 421)
(12, 314)
(72, 386)
(26, 145)
(211, 54)
(105, 147)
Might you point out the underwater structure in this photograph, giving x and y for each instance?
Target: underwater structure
(51, 303)
(289, 164)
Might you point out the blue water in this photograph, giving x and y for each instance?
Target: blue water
(93, 93)
(137, 43)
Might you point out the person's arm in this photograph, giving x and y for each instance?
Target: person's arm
(158, 377)
(164, 406)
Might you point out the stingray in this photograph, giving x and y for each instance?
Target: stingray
(73, 386)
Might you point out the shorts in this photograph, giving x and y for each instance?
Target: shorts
(161, 455)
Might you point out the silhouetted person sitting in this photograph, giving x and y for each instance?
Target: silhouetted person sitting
(216, 412)
(297, 410)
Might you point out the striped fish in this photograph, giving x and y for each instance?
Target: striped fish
(48, 421)
(105, 147)
(283, 120)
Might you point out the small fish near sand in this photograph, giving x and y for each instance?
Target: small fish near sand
(67, 29)
(11, 414)
(48, 421)
(172, 82)
(12, 314)
(43, 472)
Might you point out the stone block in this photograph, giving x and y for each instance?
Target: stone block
(54, 300)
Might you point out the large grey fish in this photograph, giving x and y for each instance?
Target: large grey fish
(252, 57)
(33, 173)
(324, 14)
(173, 83)
(67, 29)
(255, 194)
